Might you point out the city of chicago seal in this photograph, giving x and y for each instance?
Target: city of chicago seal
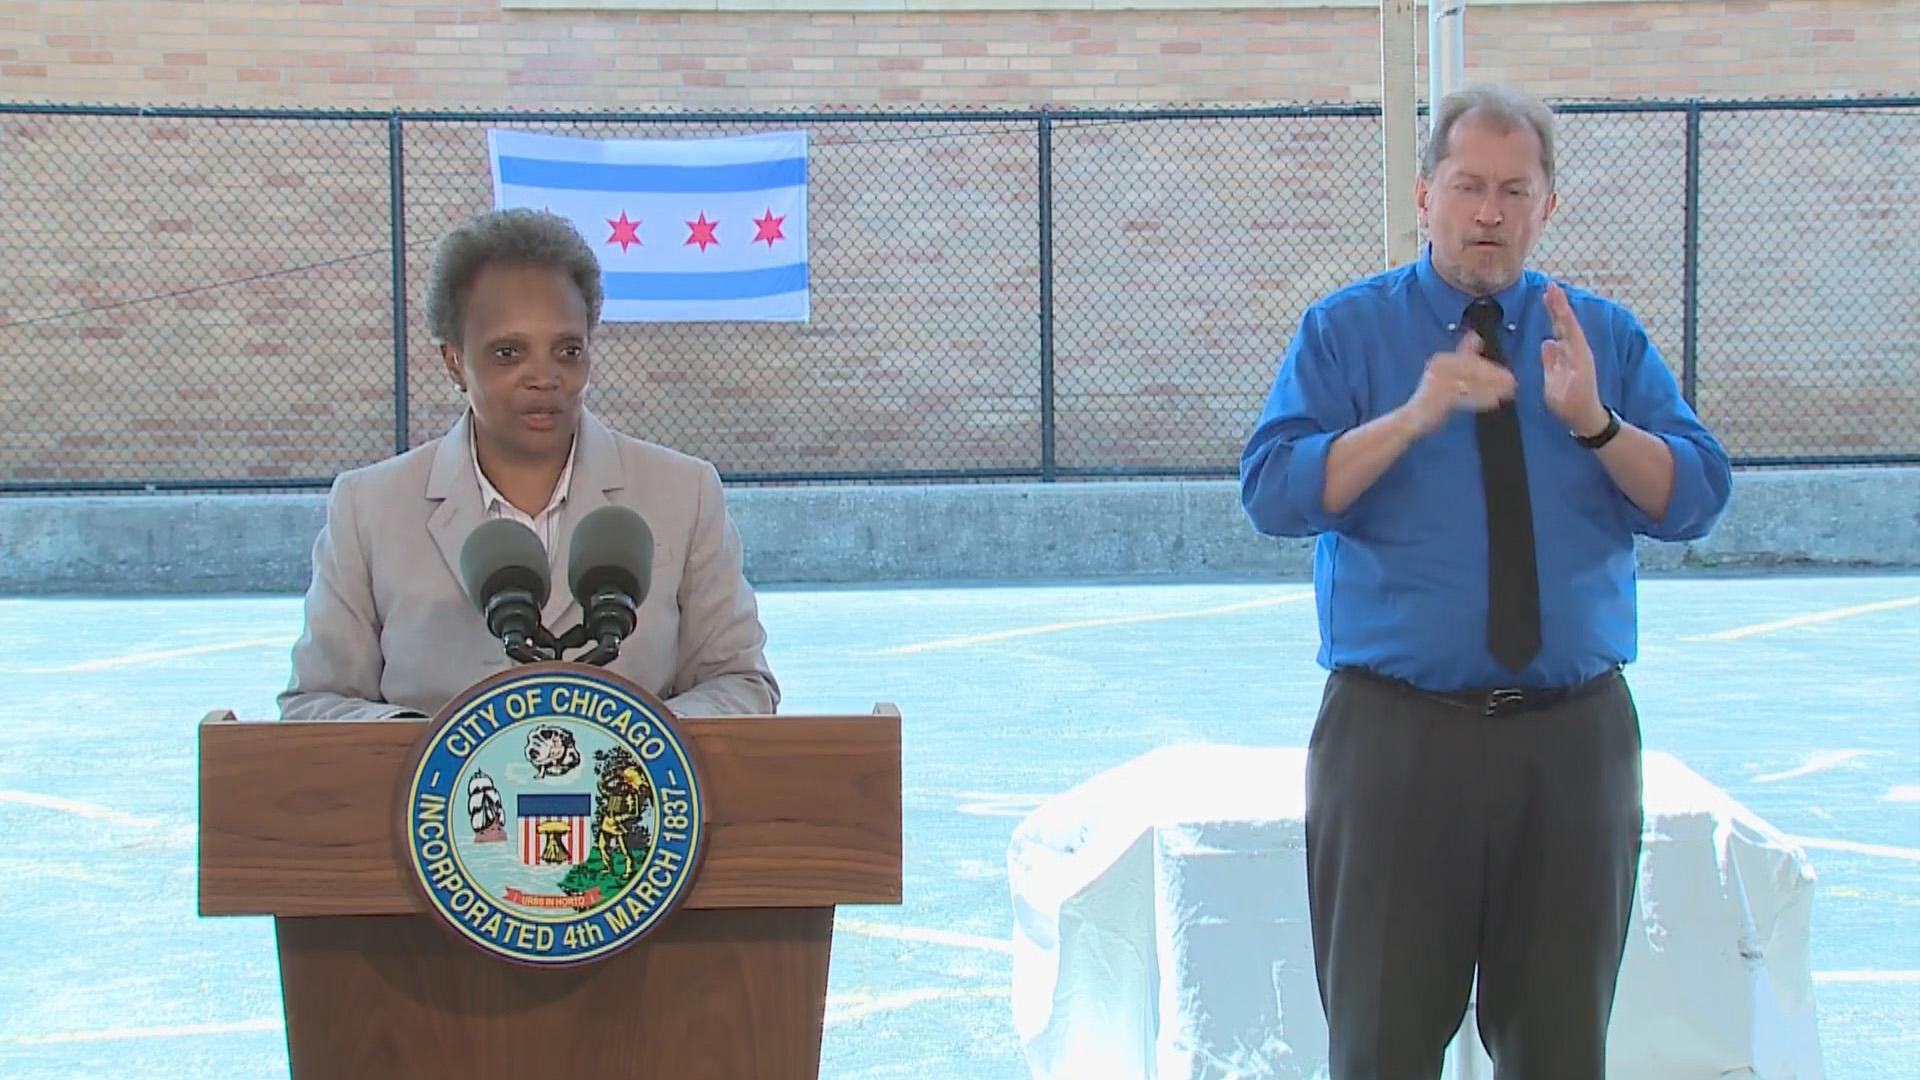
(554, 816)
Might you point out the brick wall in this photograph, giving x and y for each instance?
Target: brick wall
(471, 53)
(211, 297)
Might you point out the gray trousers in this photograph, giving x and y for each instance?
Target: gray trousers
(1440, 839)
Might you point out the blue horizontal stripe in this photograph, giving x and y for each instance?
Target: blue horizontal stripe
(669, 179)
(556, 806)
(729, 285)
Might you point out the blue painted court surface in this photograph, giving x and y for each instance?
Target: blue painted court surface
(1798, 695)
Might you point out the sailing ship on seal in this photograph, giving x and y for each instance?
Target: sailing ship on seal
(485, 810)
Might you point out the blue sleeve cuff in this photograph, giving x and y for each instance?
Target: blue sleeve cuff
(1700, 491)
(1282, 487)
(1307, 482)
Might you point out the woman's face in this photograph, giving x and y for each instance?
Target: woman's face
(523, 359)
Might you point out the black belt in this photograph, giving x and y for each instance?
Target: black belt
(1499, 701)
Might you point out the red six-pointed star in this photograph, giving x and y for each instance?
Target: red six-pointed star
(701, 232)
(769, 228)
(625, 233)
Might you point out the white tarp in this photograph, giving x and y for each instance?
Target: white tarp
(1161, 933)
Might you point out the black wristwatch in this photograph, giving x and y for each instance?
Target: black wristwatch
(1605, 436)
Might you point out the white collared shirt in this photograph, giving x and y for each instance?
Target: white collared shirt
(496, 505)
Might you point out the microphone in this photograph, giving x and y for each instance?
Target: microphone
(503, 566)
(609, 567)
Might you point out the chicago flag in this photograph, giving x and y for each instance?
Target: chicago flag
(693, 230)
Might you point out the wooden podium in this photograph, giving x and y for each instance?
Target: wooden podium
(300, 821)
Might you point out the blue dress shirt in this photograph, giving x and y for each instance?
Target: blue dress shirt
(1401, 576)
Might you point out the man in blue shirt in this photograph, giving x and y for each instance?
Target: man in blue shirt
(1475, 447)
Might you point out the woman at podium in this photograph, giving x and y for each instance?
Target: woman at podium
(390, 630)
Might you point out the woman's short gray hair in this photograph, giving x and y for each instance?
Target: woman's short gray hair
(516, 237)
(1503, 107)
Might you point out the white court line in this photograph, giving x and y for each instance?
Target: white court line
(170, 1031)
(77, 808)
(931, 937)
(1084, 624)
(1808, 619)
(132, 659)
(844, 1007)
(1866, 976)
(989, 804)
(1884, 850)
(1820, 762)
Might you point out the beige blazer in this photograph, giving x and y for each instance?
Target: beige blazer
(389, 627)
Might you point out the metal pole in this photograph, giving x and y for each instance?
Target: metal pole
(1446, 52)
(1690, 268)
(1399, 112)
(397, 239)
(1047, 464)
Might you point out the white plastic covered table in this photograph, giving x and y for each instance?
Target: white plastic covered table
(1161, 932)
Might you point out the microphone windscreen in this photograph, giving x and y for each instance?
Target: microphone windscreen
(612, 549)
(503, 554)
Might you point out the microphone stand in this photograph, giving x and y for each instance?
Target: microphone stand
(542, 646)
(604, 653)
(525, 652)
(610, 617)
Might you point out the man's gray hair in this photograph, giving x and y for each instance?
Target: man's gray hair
(516, 237)
(1503, 107)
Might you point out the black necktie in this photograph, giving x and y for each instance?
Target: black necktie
(1513, 578)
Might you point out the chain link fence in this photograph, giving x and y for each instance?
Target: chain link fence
(214, 299)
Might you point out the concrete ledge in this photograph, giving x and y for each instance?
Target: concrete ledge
(1838, 518)
(813, 6)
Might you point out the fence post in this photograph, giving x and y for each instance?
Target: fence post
(397, 238)
(1690, 280)
(1048, 469)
